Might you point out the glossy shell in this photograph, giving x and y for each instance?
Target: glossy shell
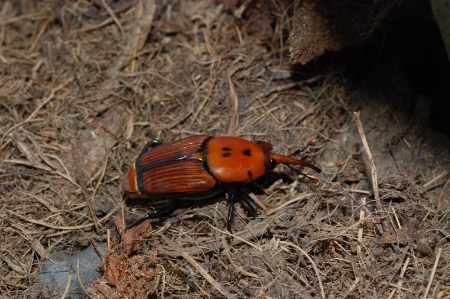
(177, 168)
(233, 160)
(200, 166)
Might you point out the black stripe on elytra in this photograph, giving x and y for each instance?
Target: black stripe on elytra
(226, 149)
(247, 152)
(226, 155)
(250, 174)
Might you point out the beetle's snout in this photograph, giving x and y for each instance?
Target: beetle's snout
(282, 159)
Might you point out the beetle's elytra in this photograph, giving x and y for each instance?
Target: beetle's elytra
(200, 167)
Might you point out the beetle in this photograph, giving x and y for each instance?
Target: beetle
(200, 167)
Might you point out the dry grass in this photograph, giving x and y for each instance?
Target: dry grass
(84, 85)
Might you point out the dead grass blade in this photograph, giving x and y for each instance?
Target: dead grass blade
(217, 285)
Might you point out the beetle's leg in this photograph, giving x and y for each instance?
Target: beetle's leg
(155, 213)
(231, 193)
(151, 143)
(251, 204)
(310, 143)
(313, 178)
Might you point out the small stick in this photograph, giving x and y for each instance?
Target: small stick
(45, 101)
(430, 182)
(217, 285)
(252, 232)
(373, 168)
(237, 237)
(234, 104)
(226, 249)
(361, 229)
(240, 11)
(440, 203)
(66, 289)
(113, 16)
(322, 292)
(285, 204)
(400, 282)
(40, 33)
(145, 12)
(352, 287)
(433, 272)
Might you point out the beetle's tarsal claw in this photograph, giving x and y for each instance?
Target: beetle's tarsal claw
(155, 213)
(139, 221)
(243, 196)
(313, 178)
(301, 150)
(228, 227)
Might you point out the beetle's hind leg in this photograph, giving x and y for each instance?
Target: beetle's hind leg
(231, 194)
(150, 144)
(155, 213)
(251, 204)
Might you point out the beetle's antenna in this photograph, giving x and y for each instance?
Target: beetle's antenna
(313, 178)
(312, 142)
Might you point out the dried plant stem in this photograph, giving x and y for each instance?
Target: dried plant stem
(50, 97)
(91, 199)
(66, 289)
(361, 230)
(226, 249)
(428, 184)
(400, 282)
(288, 203)
(113, 16)
(322, 292)
(145, 11)
(373, 168)
(216, 285)
(40, 33)
(433, 272)
(440, 203)
(234, 104)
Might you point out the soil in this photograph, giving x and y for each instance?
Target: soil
(85, 85)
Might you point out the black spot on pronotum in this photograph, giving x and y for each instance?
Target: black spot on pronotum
(226, 154)
(226, 148)
(250, 174)
(247, 152)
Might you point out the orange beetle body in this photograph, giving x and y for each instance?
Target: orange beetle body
(199, 167)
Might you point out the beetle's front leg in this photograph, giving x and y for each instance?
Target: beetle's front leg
(155, 213)
(251, 204)
(231, 194)
(151, 143)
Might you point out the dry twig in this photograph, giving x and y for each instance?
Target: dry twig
(433, 272)
(373, 168)
(179, 252)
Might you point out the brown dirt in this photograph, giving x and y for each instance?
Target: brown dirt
(84, 85)
(320, 25)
